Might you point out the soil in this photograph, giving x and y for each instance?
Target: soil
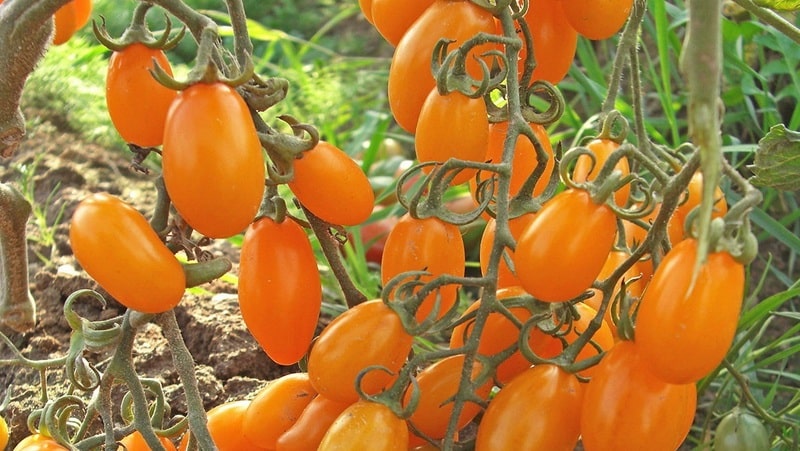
(229, 363)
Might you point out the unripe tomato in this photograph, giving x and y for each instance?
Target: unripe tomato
(212, 161)
(392, 18)
(136, 102)
(597, 19)
(306, 433)
(410, 78)
(524, 161)
(38, 442)
(438, 384)
(626, 407)
(538, 410)
(452, 126)
(366, 425)
(586, 169)
(115, 244)
(686, 324)
(275, 409)
(280, 292)
(554, 41)
(225, 426)
(366, 335)
(562, 251)
(135, 442)
(505, 278)
(418, 245)
(741, 431)
(332, 186)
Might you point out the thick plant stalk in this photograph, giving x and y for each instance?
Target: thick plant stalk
(702, 66)
(17, 309)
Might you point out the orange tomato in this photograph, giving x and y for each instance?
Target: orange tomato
(307, 432)
(225, 426)
(212, 162)
(505, 277)
(366, 425)
(115, 244)
(275, 409)
(597, 19)
(135, 442)
(586, 169)
(38, 442)
(554, 41)
(392, 18)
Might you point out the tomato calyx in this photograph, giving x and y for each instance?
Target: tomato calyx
(450, 67)
(138, 33)
(283, 149)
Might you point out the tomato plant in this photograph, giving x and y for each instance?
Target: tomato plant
(135, 442)
(686, 324)
(626, 407)
(275, 409)
(741, 431)
(410, 78)
(597, 19)
(570, 235)
(437, 385)
(416, 245)
(332, 186)
(368, 334)
(115, 244)
(538, 409)
(70, 18)
(212, 162)
(452, 125)
(587, 169)
(307, 432)
(505, 277)
(366, 425)
(554, 41)
(225, 426)
(136, 102)
(280, 292)
(392, 18)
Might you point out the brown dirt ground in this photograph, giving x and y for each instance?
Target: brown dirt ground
(230, 364)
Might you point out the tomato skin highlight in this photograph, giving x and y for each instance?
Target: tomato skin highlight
(38, 442)
(416, 245)
(115, 244)
(538, 410)
(332, 186)
(280, 291)
(275, 409)
(307, 432)
(366, 425)
(597, 19)
(685, 331)
(212, 162)
(452, 126)
(569, 235)
(136, 102)
(626, 407)
(367, 334)
(410, 77)
(437, 384)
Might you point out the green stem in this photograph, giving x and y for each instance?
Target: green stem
(17, 309)
(628, 40)
(772, 18)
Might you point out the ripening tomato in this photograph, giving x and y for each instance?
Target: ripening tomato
(741, 431)
(694, 195)
(366, 335)
(275, 408)
(392, 18)
(70, 18)
(635, 235)
(538, 410)
(437, 385)
(452, 126)
(587, 170)
(3, 424)
(38, 442)
(410, 78)
(306, 433)
(136, 102)
(554, 41)
(366, 425)
(280, 291)
(418, 245)
(332, 186)
(366, 9)
(505, 277)
(212, 162)
(597, 19)
(686, 325)
(626, 407)
(135, 442)
(615, 259)
(373, 235)
(115, 244)
(570, 236)
(225, 426)
(524, 160)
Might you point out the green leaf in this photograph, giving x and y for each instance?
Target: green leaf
(779, 5)
(777, 160)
